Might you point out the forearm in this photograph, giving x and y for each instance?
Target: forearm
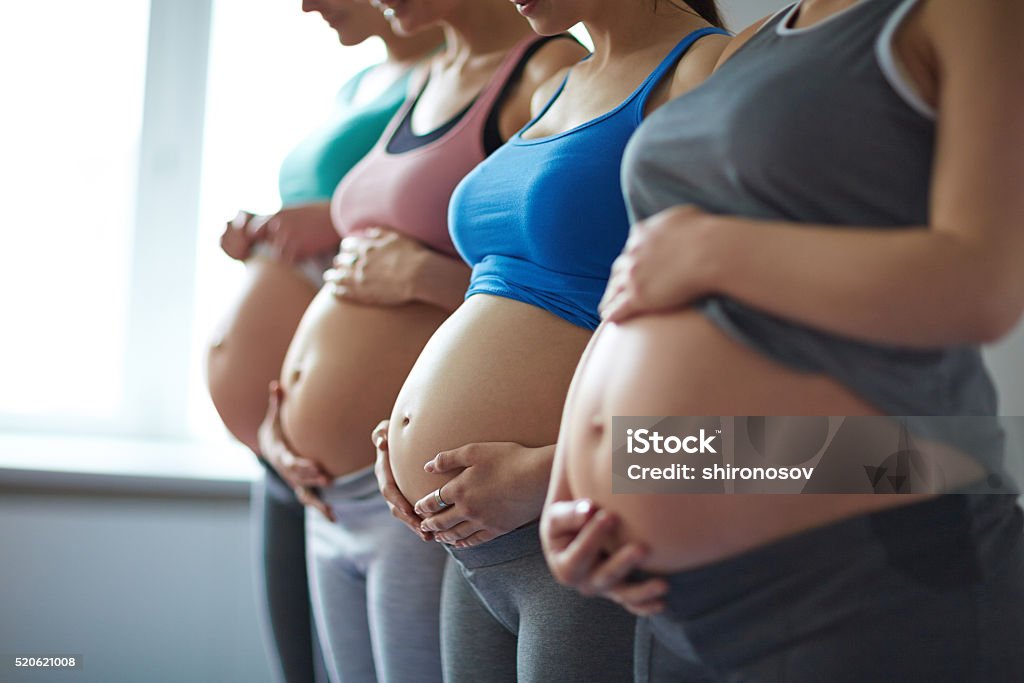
(909, 287)
(440, 280)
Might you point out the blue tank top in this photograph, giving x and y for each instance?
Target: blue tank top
(311, 171)
(541, 220)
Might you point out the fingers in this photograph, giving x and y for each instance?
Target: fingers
(621, 308)
(400, 507)
(478, 538)
(402, 510)
(459, 532)
(298, 471)
(259, 227)
(447, 461)
(445, 521)
(616, 282)
(305, 472)
(310, 498)
(429, 504)
(241, 220)
(235, 242)
(616, 568)
(643, 599)
(566, 518)
(580, 558)
(379, 435)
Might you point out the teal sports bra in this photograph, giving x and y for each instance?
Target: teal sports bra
(311, 171)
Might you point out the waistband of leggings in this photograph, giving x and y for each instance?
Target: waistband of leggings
(515, 544)
(353, 486)
(946, 526)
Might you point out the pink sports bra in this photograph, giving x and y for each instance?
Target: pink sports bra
(409, 191)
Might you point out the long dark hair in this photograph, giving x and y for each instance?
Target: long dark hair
(707, 9)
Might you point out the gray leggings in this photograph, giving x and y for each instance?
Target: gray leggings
(929, 592)
(376, 588)
(505, 619)
(279, 548)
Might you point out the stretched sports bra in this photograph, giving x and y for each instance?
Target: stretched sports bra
(542, 220)
(311, 171)
(409, 191)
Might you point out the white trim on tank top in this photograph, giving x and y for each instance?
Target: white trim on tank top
(891, 68)
(894, 74)
(783, 28)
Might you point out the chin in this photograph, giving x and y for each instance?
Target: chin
(350, 40)
(548, 27)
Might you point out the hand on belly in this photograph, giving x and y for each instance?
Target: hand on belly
(497, 487)
(583, 550)
(302, 475)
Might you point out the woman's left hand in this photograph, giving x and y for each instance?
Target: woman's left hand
(500, 488)
(377, 266)
(667, 263)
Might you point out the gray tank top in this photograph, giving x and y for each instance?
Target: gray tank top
(813, 125)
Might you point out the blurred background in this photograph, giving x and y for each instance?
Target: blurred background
(130, 132)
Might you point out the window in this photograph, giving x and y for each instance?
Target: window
(131, 132)
(273, 75)
(72, 118)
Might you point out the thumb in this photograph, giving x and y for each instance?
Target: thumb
(446, 461)
(380, 435)
(568, 517)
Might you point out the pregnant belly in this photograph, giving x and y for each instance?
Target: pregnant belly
(342, 373)
(249, 345)
(497, 370)
(681, 364)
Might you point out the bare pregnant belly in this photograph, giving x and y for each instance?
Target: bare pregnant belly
(249, 345)
(497, 370)
(681, 364)
(342, 373)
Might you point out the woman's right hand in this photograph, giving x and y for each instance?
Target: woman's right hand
(237, 238)
(575, 536)
(400, 507)
(304, 476)
(298, 232)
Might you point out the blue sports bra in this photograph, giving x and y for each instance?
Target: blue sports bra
(542, 220)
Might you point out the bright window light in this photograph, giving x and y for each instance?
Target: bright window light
(273, 75)
(72, 89)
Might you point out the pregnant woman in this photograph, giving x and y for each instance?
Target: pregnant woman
(848, 264)
(285, 256)
(541, 221)
(375, 586)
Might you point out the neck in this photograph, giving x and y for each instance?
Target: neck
(405, 50)
(621, 28)
(482, 27)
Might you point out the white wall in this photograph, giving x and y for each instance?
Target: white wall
(154, 588)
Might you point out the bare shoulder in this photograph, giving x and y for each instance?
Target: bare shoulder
(985, 30)
(698, 63)
(741, 39)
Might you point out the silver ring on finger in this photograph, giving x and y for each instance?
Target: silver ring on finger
(440, 500)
